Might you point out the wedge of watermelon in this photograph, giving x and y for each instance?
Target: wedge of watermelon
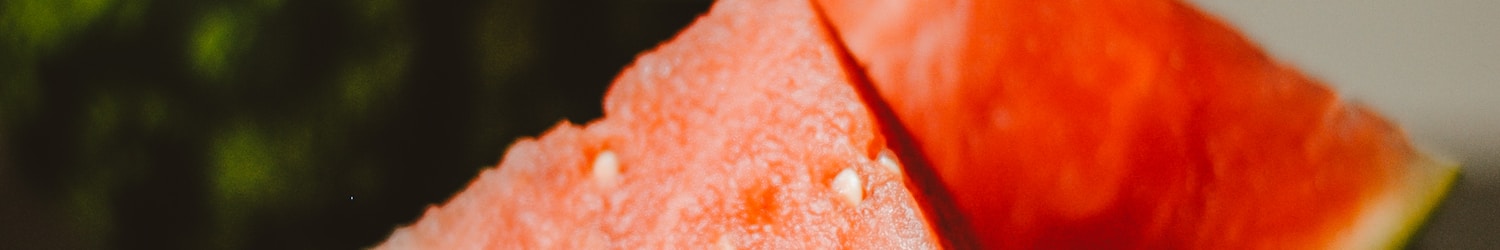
(1132, 124)
(742, 132)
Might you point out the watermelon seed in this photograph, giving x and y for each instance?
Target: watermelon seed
(888, 159)
(606, 168)
(848, 186)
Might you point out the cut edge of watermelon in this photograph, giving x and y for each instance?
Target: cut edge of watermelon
(944, 221)
(1398, 215)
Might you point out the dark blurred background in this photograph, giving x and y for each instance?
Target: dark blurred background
(275, 124)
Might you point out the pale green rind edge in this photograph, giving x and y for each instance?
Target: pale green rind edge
(1444, 174)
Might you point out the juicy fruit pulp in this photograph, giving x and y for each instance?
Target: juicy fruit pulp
(742, 132)
(1123, 124)
(1022, 124)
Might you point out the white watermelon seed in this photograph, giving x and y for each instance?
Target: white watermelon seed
(848, 186)
(888, 159)
(606, 168)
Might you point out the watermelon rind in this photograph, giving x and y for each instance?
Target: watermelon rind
(1392, 221)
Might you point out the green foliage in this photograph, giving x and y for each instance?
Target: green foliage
(214, 43)
(254, 171)
(268, 124)
(33, 28)
(373, 72)
(35, 25)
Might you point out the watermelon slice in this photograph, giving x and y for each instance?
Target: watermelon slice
(904, 124)
(1132, 124)
(742, 132)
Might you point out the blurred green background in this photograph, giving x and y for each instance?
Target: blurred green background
(324, 124)
(273, 124)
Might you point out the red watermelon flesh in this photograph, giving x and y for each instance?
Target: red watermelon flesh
(1111, 124)
(1129, 124)
(742, 132)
